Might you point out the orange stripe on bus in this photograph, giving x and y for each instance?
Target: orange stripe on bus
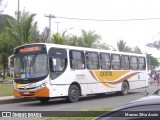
(124, 78)
(110, 78)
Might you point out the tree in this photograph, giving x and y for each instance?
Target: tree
(152, 61)
(137, 50)
(73, 40)
(23, 29)
(59, 38)
(89, 38)
(6, 43)
(155, 44)
(3, 19)
(44, 36)
(6, 49)
(121, 46)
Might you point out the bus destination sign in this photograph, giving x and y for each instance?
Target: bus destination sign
(30, 49)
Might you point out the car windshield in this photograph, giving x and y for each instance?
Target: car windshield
(31, 66)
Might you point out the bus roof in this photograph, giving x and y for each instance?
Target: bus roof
(49, 45)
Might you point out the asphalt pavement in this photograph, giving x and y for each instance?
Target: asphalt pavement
(12, 99)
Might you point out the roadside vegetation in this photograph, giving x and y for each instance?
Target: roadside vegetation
(92, 113)
(6, 90)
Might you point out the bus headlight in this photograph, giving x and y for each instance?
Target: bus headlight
(44, 84)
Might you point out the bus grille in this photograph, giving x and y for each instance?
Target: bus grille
(27, 88)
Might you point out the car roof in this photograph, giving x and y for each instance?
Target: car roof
(149, 100)
(149, 103)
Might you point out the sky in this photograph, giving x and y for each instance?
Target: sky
(132, 21)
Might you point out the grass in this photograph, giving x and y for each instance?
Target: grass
(7, 78)
(6, 90)
(90, 112)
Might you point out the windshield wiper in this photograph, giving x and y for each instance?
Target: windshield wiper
(32, 61)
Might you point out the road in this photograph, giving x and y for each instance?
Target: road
(84, 103)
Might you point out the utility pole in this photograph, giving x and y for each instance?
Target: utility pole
(50, 16)
(18, 11)
(149, 66)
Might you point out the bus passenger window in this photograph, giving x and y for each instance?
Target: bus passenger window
(134, 62)
(116, 62)
(105, 61)
(142, 63)
(77, 59)
(125, 62)
(92, 60)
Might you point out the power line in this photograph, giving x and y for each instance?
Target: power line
(111, 20)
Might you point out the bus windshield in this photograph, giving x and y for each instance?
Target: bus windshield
(30, 66)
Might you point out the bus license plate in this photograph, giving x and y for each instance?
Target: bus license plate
(26, 93)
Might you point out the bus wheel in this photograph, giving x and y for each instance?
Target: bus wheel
(73, 94)
(125, 88)
(43, 99)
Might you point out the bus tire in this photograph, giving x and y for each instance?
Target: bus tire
(125, 88)
(73, 94)
(43, 99)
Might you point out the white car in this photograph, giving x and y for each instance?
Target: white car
(146, 108)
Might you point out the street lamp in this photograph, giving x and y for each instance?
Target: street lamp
(57, 25)
(68, 29)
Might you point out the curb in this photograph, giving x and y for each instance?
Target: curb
(12, 99)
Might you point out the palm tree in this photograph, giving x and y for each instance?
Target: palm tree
(59, 38)
(121, 45)
(23, 29)
(89, 38)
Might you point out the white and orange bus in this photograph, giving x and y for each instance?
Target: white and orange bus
(46, 71)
